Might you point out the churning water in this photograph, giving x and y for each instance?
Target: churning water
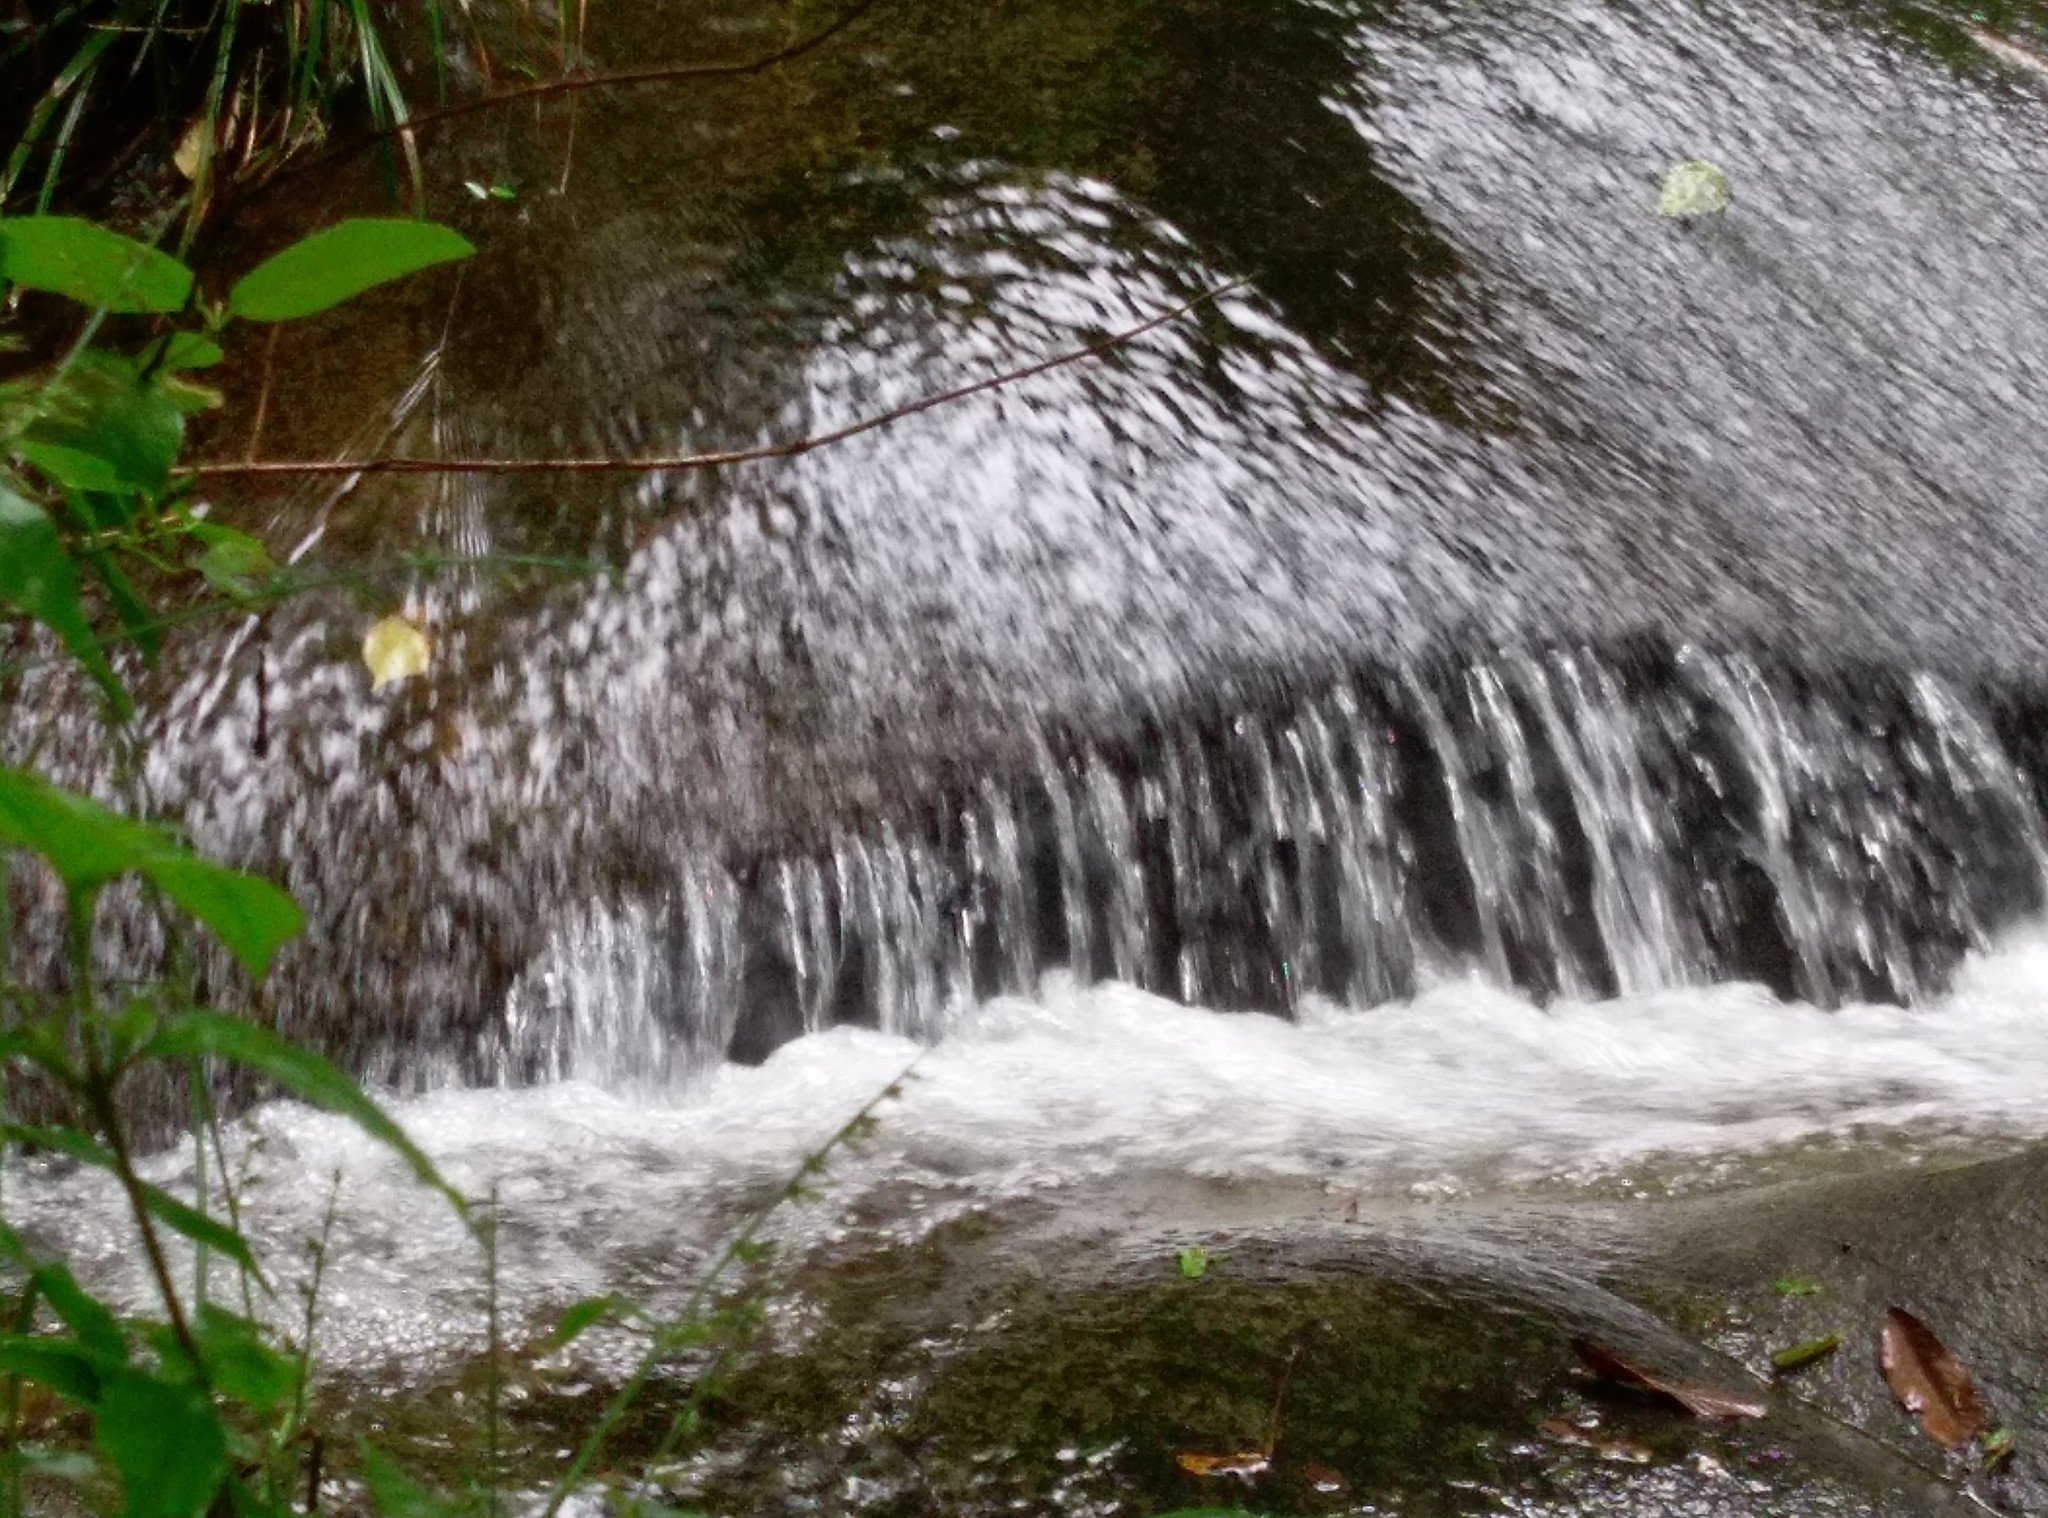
(1467, 1090)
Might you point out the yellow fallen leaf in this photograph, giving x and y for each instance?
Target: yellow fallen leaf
(192, 147)
(1244, 1465)
(394, 649)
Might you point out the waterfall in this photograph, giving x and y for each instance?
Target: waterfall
(1572, 823)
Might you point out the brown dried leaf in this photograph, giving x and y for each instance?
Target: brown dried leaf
(1607, 1447)
(1244, 1465)
(1700, 1401)
(1321, 1478)
(1928, 1380)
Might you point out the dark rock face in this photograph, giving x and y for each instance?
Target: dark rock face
(1419, 1359)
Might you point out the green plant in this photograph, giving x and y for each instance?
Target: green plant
(197, 1407)
(227, 90)
(99, 432)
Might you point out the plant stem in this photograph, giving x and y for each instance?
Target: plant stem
(99, 1093)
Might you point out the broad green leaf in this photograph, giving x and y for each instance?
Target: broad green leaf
(38, 577)
(67, 255)
(1695, 188)
(394, 1494)
(579, 1317)
(329, 267)
(84, 842)
(130, 1028)
(70, 468)
(105, 406)
(42, 1044)
(246, 912)
(233, 563)
(394, 650)
(88, 846)
(182, 1217)
(59, 1138)
(85, 1315)
(1194, 1262)
(305, 1074)
(166, 1442)
(240, 1361)
(189, 350)
(65, 1368)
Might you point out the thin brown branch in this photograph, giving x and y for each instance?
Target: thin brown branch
(576, 84)
(796, 448)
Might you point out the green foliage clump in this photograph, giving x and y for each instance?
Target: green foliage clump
(194, 1408)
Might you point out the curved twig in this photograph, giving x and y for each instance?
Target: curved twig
(230, 469)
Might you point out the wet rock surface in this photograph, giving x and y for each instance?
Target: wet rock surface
(1055, 1358)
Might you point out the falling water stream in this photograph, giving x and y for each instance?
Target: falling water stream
(1518, 696)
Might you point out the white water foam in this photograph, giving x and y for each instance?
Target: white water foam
(1466, 1089)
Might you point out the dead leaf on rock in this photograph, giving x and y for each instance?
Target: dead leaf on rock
(1625, 1451)
(1700, 1401)
(1321, 1478)
(394, 649)
(1928, 1381)
(1244, 1465)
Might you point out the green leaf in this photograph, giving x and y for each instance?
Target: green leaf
(394, 1494)
(246, 912)
(182, 1217)
(65, 1368)
(41, 1043)
(305, 1074)
(38, 577)
(90, 1319)
(103, 405)
(69, 256)
(1695, 188)
(88, 846)
(1795, 1286)
(233, 563)
(1799, 1356)
(1194, 1262)
(166, 1442)
(1996, 1446)
(70, 468)
(577, 1318)
(59, 1139)
(189, 350)
(329, 267)
(241, 1362)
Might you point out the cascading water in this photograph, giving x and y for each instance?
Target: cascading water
(1508, 699)
(1575, 825)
